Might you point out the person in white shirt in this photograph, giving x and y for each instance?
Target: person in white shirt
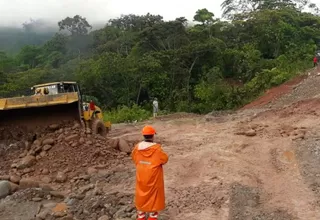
(155, 107)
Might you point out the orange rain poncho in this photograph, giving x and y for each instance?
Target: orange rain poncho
(149, 158)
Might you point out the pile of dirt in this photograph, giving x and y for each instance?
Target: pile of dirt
(61, 153)
(275, 93)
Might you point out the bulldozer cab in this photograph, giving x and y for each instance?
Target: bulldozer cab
(55, 88)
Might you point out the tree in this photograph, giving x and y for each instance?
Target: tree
(204, 16)
(243, 7)
(76, 25)
(135, 22)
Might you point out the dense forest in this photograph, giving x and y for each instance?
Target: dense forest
(213, 65)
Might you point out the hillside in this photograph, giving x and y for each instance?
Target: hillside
(212, 65)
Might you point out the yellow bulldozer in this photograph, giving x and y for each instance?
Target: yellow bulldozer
(52, 103)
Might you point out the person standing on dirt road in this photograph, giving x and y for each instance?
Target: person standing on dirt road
(315, 61)
(155, 107)
(149, 158)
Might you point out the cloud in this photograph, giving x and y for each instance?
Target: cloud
(15, 12)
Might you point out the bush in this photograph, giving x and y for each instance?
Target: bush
(127, 114)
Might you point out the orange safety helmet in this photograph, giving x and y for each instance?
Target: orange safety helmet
(148, 130)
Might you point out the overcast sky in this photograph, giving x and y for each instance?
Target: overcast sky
(15, 12)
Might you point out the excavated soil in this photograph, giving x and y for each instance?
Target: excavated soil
(251, 164)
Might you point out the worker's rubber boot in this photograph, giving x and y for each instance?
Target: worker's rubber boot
(141, 216)
(153, 216)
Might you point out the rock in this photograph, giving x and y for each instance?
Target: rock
(60, 137)
(5, 188)
(43, 153)
(71, 137)
(251, 133)
(85, 189)
(47, 147)
(36, 199)
(61, 177)
(45, 171)
(50, 205)
(27, 161)
(114, 143)
(81, 141)
(37, 143)
(28, 183)
(45, 187)
(54, 127)
(48, 141)
(46, 179)
(57, 194)
(104, 217)
(15, 179)
(124, 146)
(91, 170)
(14, 187)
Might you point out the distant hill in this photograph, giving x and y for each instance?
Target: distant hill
(12, 39)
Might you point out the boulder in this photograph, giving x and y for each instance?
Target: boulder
(47, 147)
(5, 188)
(28, 183)
(15, 179)
(48, 141)
(124, 146)
(71, 137)
(54, 127)
(26, 162)
(61, 177)
(14, 187)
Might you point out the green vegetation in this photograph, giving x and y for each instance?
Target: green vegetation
(212, 65)
(127, 114)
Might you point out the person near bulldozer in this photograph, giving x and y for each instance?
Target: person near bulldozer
(149, 158)
(38, 92)
(315, 61)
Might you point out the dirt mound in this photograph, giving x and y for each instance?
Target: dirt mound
(303, 108)
(276, 92)
(60, 150)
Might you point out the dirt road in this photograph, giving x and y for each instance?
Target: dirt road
(253, 164)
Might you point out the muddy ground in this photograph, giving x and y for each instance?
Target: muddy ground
(258, 163)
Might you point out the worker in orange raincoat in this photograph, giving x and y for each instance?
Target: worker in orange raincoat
(149, 158)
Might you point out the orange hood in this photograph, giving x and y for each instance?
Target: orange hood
(147, 148)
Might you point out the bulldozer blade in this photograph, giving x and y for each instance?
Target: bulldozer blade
(29, 120)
